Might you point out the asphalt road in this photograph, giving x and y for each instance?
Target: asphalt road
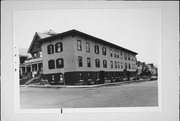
(126, 95)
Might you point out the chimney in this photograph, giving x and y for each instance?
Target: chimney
(50, 32)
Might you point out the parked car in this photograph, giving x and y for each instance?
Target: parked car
(153, 78)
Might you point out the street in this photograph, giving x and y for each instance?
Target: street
(125, 95)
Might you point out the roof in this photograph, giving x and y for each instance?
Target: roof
(76, 32)
(41, 36)
(23, 52)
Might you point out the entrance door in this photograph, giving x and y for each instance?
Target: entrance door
(101, 75)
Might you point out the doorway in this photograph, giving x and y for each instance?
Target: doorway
(102, 78)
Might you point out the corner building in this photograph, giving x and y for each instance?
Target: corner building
(74, 57)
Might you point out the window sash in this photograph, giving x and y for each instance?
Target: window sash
(115, 64)
(51, 64)
(111, 53)
(50, 49)
(111, 64)
(121, 65)
(104, 51)
(125, 65)
(59, 47)
(88, 62)
(96, 49)
(87, 46)
(59, 63)
(125, 56)
(104, 63)
(97, 61)
(115, 54)
(79, 45)
(80, 61)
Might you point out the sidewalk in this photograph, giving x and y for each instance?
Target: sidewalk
(84, 86)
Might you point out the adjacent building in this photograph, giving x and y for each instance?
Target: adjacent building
(146, 69)
(74, 57)
(23, 55)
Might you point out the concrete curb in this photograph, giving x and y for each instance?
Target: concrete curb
(83, 86)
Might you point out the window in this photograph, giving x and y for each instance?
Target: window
(128, 57)
(114, 53)
(129, 66)
(125, 65)
(80, 61)
(52, 77)
(104, 63)
(34, 67)
(59, 63)
(87, 47)
(125, 56)
(79, 46)
(50, 49)
(121, 65)
(118, 64)
(111, 63)
(121, 55)
(97, 75)
(89, 75)
(96, 49)
(40, 54)
(34, 55)
(59, 47)
(132, 66)
(80, 76)
(97, 61)
(60, 78)
(104, 51)
(40, 66)
(88, 62)
(51, 64)
(117, 54)
(115, 64)
(111, 53)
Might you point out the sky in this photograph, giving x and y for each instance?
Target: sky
(138, 30)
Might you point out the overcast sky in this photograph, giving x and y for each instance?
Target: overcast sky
(136, 29)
